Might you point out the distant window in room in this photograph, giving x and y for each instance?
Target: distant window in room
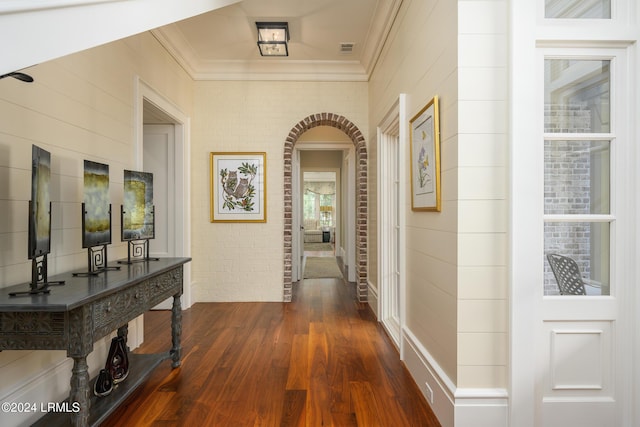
(577, 9)
(319, 199)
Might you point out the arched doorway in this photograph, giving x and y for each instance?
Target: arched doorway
(354, 134)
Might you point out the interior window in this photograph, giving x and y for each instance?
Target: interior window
(577, 9)
(577, 177)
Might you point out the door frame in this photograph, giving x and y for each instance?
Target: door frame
(346, 211)
(392, 136)
(182, 179)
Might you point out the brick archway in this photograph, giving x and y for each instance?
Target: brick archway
(352, 131)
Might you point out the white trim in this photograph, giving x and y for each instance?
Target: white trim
(348, 251)
(523, 187)
(459, 407)
(391, 138)
(143, 91)
(372, 297)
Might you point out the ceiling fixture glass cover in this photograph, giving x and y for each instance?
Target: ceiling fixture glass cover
(273, 38)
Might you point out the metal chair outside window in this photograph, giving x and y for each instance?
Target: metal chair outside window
(567, 274)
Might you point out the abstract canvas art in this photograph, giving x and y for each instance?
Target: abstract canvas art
(138, 213)
(39, 212)
(97, 209)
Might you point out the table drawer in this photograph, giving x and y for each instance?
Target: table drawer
(115, 310)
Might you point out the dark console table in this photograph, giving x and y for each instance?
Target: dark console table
(72, 317)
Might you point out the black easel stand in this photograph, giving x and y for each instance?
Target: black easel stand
(137, 251)
(39, 283)
(97, 260)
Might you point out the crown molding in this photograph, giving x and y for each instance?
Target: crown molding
(383, 20)
(272, 69)
(281, 70)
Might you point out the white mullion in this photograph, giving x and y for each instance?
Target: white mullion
(579, 136)
(579, 218)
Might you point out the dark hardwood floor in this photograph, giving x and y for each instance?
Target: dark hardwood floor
(321, 360)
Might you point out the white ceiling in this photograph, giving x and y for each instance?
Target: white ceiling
(221, 45)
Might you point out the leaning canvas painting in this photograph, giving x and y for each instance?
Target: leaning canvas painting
(138, 213)
(40, 206)
(97, 209)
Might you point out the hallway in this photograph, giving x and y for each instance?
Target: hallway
(320, 360)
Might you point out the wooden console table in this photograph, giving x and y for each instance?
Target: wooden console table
(72, 317)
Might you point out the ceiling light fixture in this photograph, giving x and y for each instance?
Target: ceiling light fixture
(273, 38)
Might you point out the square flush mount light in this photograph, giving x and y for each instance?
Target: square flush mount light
(273, 38)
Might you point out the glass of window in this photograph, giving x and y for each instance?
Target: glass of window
(577, 177)
(577, 96)
(577, 9)
(583, 250)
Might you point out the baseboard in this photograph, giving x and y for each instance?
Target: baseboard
(454, 407)
(482, 408)
(372, 298)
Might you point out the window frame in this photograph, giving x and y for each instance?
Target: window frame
(616, 57)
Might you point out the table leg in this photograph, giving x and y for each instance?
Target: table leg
(80, 391)
(176, 331)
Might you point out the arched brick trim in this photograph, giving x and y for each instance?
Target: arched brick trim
(352, 131)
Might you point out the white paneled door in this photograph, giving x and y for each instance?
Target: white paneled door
(581, 361)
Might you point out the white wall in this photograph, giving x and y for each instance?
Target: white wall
(244, 261)
(79, 107)
(482, 150)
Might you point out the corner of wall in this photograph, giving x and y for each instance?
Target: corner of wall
(373, 298)
(454, 407)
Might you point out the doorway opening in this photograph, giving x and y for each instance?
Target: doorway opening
(320, 218)
(360, 208)
(162, 147)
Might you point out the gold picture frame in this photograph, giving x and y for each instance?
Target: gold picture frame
(238, 183)
(425, 158)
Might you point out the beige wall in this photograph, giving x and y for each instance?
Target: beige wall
(455, 259)
(244, 261)
(79, 107)
(415, 61)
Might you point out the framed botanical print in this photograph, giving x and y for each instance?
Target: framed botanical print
(238, 187)
(425, 158)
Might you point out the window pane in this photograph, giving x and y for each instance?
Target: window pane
(309, 206)
(585, 243)
(576, 9)
(576, 177)
(577, 96)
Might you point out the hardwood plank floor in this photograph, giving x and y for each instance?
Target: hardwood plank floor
(321, 360)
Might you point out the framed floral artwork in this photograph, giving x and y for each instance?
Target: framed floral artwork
(238, 187)
(425, 158)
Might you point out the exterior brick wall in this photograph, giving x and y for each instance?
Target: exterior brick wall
(567, 188)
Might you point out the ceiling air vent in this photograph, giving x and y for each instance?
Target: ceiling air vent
(347, 47)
